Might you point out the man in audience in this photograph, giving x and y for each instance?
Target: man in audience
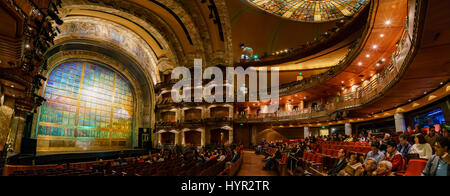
(370, 167)
(432, 137)
(395, 157)
(375, 153)
(384, 169)
(404, 146)
(272, 159)
(340, 164)
(340, 138)
(438, 164)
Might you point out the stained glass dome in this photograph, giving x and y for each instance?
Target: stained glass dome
(315, 11)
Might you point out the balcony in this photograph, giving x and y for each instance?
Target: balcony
(163, 125)
(306, 114)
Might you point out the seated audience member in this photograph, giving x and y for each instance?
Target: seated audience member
(421, 147)
(349, 139)
(438, 163)
(221, 157)
(353, 168)
(395, 157)
(384, 169)
(369, 167)
(386, 139)
(445, 132)
(272, 159)
(432, 137)
(340, 164)
(417, 129)
(237, 155)
(295, 153)
(375, 153)
(404, 146)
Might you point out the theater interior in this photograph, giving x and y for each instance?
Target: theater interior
(87, 88)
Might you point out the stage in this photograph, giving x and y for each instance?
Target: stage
(45, 158)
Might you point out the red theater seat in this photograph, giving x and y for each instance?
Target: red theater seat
(415, 167)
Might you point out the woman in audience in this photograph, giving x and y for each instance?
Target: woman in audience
(384, 169)
(438, 163)
(349, 139)
(353, 168)
(421, 147)
(395, 157)
(445, 132)
(221, 157)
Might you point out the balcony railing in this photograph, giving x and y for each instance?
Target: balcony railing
(282, 116)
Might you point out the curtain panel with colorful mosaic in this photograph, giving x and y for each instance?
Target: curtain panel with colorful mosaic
(88, 107)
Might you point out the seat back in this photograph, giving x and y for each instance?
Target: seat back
(415, 167)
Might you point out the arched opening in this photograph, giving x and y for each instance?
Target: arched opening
(89, 107)
(168, 138)
(193, 115)
(168, 117)
(220, 112)
(193, 138)
(219, 137)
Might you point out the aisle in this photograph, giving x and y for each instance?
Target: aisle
(253, 164)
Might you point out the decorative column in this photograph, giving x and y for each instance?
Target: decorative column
(348, 129)
(177, 138)
(306, 132)
(158, 135)
(183, 140)
(400, 125)
(203, 140)
(254, 132)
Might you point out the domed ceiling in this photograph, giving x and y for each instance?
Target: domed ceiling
(314, 11)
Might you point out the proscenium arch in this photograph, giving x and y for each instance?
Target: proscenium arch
(167, 26)
(100, 52)
(81, 27)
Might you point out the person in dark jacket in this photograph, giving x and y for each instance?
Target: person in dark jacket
(271, 160)
(438, 164)
(340, 164)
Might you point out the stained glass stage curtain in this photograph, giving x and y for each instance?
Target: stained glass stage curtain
(88, 107)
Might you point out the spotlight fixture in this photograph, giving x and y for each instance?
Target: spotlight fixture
(388, 22)
(55, 17)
